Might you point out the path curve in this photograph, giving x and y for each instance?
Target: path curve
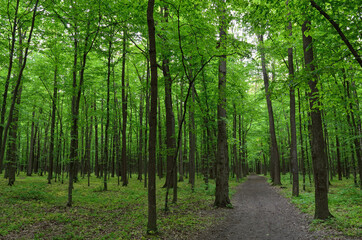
(260, 212)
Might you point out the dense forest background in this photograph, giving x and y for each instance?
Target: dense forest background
(270, 87)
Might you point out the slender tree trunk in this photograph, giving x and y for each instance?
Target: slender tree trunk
(318, 151)
(338, 147)
(293, 127)
(124, 114)
(106, 137)
(274, 154)
(12, 154)
(88, 143)
(96, 147)
(240, 169)
(302, 165)
(192, 141)
(77, 93)
(235, 165)
(358, 130)
(140, 156)
(52, 127)
(170, 118)
(101, 165)
(17, 84)
(146, 153)
(73, 154)
(32, 144)
(152, 225)
(117, 131)
(222, 162)
(7, 82)
(160, 143)
(180, 152)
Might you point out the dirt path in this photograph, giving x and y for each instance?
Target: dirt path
(260, 212)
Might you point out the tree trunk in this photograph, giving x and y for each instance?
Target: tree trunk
(274, 154)
(192, 140)
(293, 127)
(106, 137)
(140, 150)
(32, 145)
(180, 152)
(17, 84)
(318, 151)
(338, 147)
(160, 143)
(152, 225)
(96, 147)
(52, 127)
(146, 153)
(222, 162)
(235, 154)
(7, 82)
(240, 169)
(302, 165)
(73, 151)
(124, 114)
(12, 154)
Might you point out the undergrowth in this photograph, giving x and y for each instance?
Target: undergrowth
(33, 209)
(344, 201)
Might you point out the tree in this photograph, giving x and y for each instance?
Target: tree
(319, 157)
(274, 152)
(152, 217)
(293, 127)
(11, 125)
(222, 159)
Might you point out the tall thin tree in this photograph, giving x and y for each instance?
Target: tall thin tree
(152, 217)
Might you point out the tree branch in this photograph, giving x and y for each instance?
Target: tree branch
(338, 29)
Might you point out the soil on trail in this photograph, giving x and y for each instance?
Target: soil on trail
(260, 212)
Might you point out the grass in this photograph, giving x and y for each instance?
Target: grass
(344, 201)
(33, 209)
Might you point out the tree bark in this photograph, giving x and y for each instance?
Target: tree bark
(319, 157)
(96, 147)
(52, 127)
(32, 144)
(170, 119)
(293, 127)
(222, 162)
(106, 137)
(274, 153)
(140, 156)
(192, 140)
(17, 86)
(7, 82)
(124, 114)
(302, 164)
(339, 165)
(12, 154)
(235, 154)
(152, 217)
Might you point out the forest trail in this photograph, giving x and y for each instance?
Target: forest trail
(260, 212)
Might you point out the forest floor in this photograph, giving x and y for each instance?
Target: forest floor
(260, 212)
(33, 209)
